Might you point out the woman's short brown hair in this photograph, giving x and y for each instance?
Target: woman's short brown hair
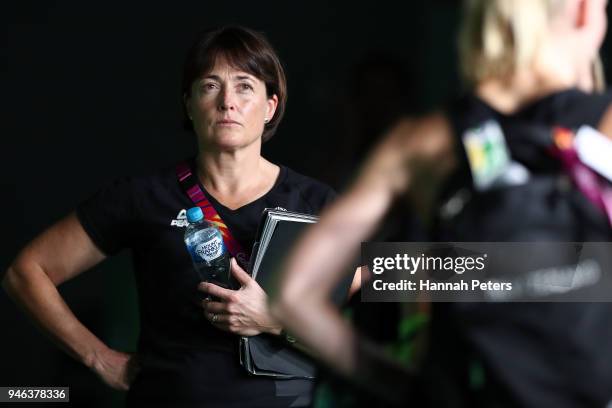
(245, 50)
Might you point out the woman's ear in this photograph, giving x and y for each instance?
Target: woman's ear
(581, 13)
(584, 12)
(187, 102)
(271, 106)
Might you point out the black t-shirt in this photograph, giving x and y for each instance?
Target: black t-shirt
(184, 358)
(531, 354)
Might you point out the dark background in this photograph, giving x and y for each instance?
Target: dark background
(91, 91)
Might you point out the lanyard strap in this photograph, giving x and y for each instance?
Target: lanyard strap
(594, 187)
(191, 187)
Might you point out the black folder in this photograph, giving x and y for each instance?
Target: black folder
(265, 354)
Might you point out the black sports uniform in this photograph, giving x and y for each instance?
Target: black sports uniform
(185, 360)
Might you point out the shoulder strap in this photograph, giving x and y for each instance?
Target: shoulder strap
(594, 187)
(192, 188)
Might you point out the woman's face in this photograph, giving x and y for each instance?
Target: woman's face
(229, 107)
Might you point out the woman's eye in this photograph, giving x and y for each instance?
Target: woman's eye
(209, 87)
(245, 87)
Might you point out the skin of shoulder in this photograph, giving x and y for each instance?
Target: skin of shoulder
(605, 125)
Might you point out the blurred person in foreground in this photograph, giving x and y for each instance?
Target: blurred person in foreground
(528, 63)
(234, 91)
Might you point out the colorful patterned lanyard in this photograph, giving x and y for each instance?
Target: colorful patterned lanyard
(594, 187)
(190, 185)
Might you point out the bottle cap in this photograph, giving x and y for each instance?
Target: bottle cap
(194, 214)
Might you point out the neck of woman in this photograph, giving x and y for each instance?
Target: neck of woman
(235, 177)
(549, 73)
(509, 96)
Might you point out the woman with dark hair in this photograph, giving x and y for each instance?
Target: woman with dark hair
(234, 93)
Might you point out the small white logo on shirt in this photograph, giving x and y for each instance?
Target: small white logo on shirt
(180, 220)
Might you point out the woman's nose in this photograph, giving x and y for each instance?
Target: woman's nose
(226, 100)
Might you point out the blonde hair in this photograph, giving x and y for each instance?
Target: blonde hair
(499, 37)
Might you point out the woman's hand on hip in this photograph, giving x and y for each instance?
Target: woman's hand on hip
(116, 369)
(243, 311)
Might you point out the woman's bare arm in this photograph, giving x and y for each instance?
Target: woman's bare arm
(318, 261)
(60, 253)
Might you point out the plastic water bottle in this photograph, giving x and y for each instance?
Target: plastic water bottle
(205, 245)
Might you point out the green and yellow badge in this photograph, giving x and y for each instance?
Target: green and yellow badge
(487, 154)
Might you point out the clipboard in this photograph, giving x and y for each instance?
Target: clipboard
(265, 354)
